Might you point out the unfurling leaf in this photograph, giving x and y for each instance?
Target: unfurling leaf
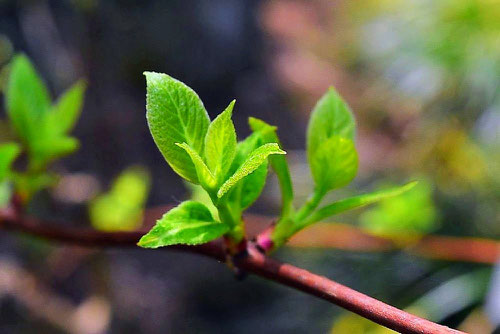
(278, 162)
(66, 111)
(205, 176)
(249, 189)
(330, 117)
(175, 114)
(254, 160)
(189, 223)
(330, 143)
(357, 202)
(121, 209)
(27, 99)
(220, 144)
(334, 164)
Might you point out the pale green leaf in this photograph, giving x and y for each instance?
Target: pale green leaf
(220, 144)
(249, 189)
(334, 164)
(189, 223)
(330, 117)
(48, 149)
(65, 113)
(205, 176)
(27, 98)
(357, 202)
(175, 114)
(254, 160)
(278, 162)
(121, 209)
(412, 212)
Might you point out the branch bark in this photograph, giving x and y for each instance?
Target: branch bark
(252, 261)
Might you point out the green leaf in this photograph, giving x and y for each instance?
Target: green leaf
(189, 223)
(8, 153)
(220, 144)
(334, 164)
(27, 98)
(412, 212)
(250, 187)
(278, 162)
(121, 209)
(175, 114)
(254, 160)
(48, 149)
(64, 114)
(205, 176)
(330, 117)
(357, 202)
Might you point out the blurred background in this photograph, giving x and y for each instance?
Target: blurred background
(422, 78)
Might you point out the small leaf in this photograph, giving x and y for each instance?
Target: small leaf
(205, 176)
(64, 114)
(8, 153)
(330, 117)
(175, 114)
(249, 189)
(334, 164)
(220, 144)
(412, 212)
(121, 209)
(27, 98)
(48, 149)
(189, 223)
(278, 162)
(357, 202)
(254, 160)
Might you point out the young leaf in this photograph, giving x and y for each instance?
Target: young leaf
(330, 117)
(63, 116)
(8, 152)
(220, 144)
(412, 212)
(27, 98)
(249, 189)
(189, 223)
(205, 176)
(278, 162)
(175, 114)
(357, 202)
(334, 164)
(121, 208)
(254, 160)
(47, 149)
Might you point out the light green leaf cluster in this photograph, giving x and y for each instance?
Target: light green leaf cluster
(205, 153)
(333, 161)
(41, 126)
(121, 209)
(234, 174)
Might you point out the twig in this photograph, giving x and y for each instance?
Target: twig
(253, 261)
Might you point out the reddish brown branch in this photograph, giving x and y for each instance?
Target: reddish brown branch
(253, 261)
